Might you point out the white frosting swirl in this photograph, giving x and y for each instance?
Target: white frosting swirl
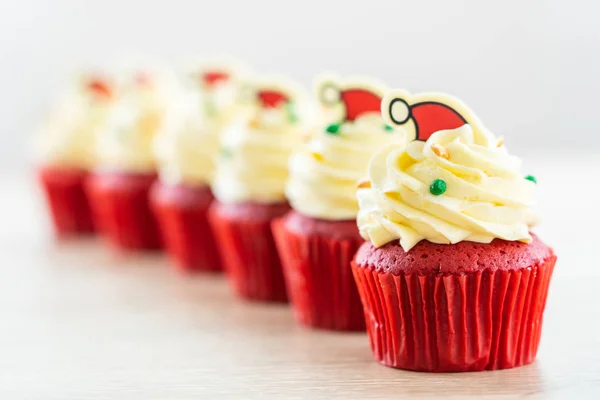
(187, 145)
(324, 172)
(253, 165)
(126, 142)
(487, 197)
(67, 139)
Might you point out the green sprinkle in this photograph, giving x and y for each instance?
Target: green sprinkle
(388, 128)
(209, 108)
(291, 112)
(333, 129)
(437, 187)
(225, 152)
(531, 178)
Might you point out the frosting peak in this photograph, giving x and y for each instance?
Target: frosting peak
(325, 171)
(67, 138)
(126, 140)
(484, 195)
(188, 144)
(253, 165)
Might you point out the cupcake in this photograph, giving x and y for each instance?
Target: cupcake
(187, 150)
(126, 168)
(65, 152)
(250, 186)
(451, 279)
(318, 239)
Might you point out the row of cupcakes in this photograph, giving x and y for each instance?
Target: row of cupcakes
(397, 213)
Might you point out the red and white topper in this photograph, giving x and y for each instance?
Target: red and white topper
(350, 98)
(271, 92)
(211, 74)
(271, 98)
(272, 95)
(97, 85)
(422, 115)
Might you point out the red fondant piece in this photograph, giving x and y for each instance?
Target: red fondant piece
(484, 315)
(316, 256)
(121, 209)
(247, 247)
(271, 98)
(182, 213)
(67, 200)
(99, 88)
(360, 101)
(434, 117)
(214, 77)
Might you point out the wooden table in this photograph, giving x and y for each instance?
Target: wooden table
(80, 321)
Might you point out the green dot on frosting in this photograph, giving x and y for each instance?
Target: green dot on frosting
(225, 152)
(531, 178)
(388, 128)
(333, 129)
(437, 187)
(209, 108)
(291, 112)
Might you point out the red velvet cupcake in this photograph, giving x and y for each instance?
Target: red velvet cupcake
(67, 200)
(121, 208)
(120, 187)
(450, 279)
(187, 149)
(316, 256)
(244, 235)
(65, 150)
(182, 213)
(250, 185)
(318, 240)
(462, 307)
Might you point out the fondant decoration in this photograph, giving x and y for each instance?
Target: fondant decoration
(422, 115)
(99, 87)
(531, 178)
(346, 100)
(270, 95)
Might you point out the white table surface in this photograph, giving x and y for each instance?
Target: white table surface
(80, 321)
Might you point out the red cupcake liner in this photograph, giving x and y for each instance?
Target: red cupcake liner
(249, 254)
(67, 201)
(121, 209)
(182, 213)
(479, 321)
(319, 278)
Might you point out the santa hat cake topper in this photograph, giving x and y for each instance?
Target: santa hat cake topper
(211, 78)
(98, 86)
(422, 115)
(212, 75)
(216, 72)
(272, 92)
(272, 98)
(351, 98)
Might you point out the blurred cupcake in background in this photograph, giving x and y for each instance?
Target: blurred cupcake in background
(126, 167)
(187, 149)
(250, 184)
(451, 278)
(65, 151)
(318, 239)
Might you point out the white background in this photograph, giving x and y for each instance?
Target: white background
(528, 68)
